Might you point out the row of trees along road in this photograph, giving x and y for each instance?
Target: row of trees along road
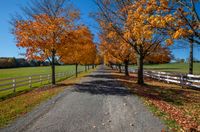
(146, 26)
(48, 30)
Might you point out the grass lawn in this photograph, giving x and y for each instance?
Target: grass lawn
(173, 67)
(25, 71)
(17, 72)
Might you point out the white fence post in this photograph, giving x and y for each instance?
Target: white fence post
(14, 85)
(48, 78)
(59, 76)
(30, 82)
(167, 78)
(181, 81)
(159, 76)
(40, 79)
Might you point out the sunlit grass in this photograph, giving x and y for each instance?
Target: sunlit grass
(18, 72)
(173, 67)
(26, 71)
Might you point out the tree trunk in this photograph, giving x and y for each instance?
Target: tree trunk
(140, 62)
(126, 68)
(111, 66)
(88, 67)
(191, 58)
(85, 68)
(119, 66)
(92, 66)
(53, 78)
(76, 70)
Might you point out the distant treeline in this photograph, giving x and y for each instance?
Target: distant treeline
(7, 62)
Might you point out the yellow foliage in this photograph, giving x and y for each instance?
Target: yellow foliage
(169, 42)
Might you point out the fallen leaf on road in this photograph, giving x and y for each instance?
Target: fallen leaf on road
(131, 124)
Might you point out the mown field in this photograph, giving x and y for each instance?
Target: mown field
(173, 67)
(25, 71)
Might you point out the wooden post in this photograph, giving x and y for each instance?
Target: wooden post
(58, 76)
(76, 70)
(159, 76)
(48, 78)
(30, 82)
(40, 79)
(53, 78)
(63, 75)
(14, 85)
(181, 80)
(167, 78)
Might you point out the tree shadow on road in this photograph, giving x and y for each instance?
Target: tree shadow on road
(102, 82)
(102, 87)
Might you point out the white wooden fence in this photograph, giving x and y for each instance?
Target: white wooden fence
(29, 81)
(180, 79)
(188, 80)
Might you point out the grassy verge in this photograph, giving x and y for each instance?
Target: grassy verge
(170, 123)
(22, 103)
(173, 67)
(178, 107)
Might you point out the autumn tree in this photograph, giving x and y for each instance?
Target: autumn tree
(189, 20)
(122, 53)
(98, 59)
(117, 52)
(161, 55)
(47, 27)
(139, 23)
(188, 25)
(81, 50)
(90, 55)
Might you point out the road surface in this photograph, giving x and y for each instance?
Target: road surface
(98, 103)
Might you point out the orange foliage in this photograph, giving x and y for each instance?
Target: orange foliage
(42, 35)
(82, 50)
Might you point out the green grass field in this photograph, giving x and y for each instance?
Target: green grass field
(25, 71)
(173, 67)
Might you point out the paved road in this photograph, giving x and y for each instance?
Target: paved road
(98, 103)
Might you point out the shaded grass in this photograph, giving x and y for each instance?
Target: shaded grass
(24, 102)
(177, 106)
(21, 104)
(172, 67)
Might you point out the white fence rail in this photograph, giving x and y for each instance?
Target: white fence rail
(180, 79)
(188, 80)
(29, 81)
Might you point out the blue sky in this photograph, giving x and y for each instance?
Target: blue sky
(8, 44)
